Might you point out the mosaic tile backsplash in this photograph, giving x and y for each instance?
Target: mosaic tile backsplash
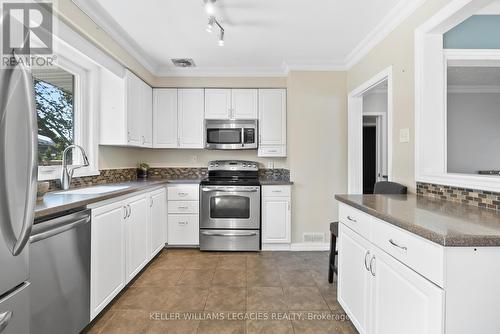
(130, 174)
(479, 198)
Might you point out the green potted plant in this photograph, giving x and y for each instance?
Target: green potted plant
(142, 170)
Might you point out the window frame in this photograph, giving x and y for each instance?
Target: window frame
(85, 103)
(431, 96)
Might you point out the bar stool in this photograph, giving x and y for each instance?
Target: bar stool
(382, 187)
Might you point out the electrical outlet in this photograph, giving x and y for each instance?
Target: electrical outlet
(404, 135)
(270, 165)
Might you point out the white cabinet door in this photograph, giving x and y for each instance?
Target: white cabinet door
(276, 220)
(158, 220)
(147, 115)
(165, 118)
(183, 230)
(353, 277)
(217, 103)
(107, 255)
(133, 104)
(191, 115)
(272, 122)
(137, 252)
(244, 103)
(404, 301)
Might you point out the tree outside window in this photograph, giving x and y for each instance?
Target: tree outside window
(54, 97)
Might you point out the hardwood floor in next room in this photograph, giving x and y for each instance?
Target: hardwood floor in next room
(290, 285)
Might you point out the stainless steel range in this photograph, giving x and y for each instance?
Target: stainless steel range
(230, 207)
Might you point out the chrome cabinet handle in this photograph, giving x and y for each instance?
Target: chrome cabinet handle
(372, 266)
(395, 244)
(276, 191)
(125, 213)
(182, 194)
(366, 257)
(5, 319)
(184, 207)
(183, 223)
(129, 210)
(352, 219)
(151, 202)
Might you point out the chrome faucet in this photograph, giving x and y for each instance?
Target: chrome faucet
(67, 173)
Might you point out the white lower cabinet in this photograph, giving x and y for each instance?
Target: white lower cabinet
(126, 235)
(183, 215)
(158, 204)
(276, 214)
(354, 279)
(382, 295)
(402, 300)
(137, 230)
(107, 255)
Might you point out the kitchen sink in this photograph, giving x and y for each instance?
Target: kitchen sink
(92, 190)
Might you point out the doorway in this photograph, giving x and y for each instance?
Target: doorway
(370, 134)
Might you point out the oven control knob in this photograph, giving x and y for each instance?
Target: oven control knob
(216, 165)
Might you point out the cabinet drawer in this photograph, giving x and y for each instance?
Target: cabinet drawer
(183, 229)
(423, 256)
(183, 206)
(184, 193)
(356, 220)
(272, 151)
(276, 191)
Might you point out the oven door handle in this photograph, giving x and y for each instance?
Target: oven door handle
(207, 189)
(218, 234)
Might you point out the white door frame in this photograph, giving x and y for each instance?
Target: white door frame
(355, 130)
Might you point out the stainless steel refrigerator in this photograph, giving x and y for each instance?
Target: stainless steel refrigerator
(18, 182)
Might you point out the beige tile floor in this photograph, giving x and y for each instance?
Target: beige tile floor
(266, 292)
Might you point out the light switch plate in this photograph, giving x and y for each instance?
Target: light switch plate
(404, 135)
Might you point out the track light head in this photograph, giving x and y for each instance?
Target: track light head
(210, 25)
(221, 38)
(210, 7)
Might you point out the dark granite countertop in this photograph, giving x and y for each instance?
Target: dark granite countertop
(55, 202)
(443, 222)
(274, 182)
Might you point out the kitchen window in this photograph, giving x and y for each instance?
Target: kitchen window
(54, 97)
(64, 94)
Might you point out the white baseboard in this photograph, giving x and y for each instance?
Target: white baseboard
(297, 247)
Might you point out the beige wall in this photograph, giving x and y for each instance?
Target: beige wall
(397, 50)
(317, 148)
(317, 143)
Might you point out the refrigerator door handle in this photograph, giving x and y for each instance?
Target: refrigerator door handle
(4, 320)
(32, 159)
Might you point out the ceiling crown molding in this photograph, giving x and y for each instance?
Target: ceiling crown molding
(393, 19)
(100, 17)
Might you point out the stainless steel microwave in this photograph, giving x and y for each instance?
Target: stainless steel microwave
(231, 134)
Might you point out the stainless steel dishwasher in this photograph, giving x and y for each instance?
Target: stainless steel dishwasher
(60, 274)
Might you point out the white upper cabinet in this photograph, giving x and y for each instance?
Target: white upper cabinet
(231, 103)
(165, 118)
(126, 111)
(190, 117)
(272, 123)
(244, 103)
(217, 103)
(178, 118)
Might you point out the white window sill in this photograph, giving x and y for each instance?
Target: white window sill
(55, 174)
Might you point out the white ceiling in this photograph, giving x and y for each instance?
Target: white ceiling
(262, 36)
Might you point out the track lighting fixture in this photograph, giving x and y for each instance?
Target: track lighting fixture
(212, 21)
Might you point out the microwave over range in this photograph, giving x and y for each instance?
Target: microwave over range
(231, 134)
